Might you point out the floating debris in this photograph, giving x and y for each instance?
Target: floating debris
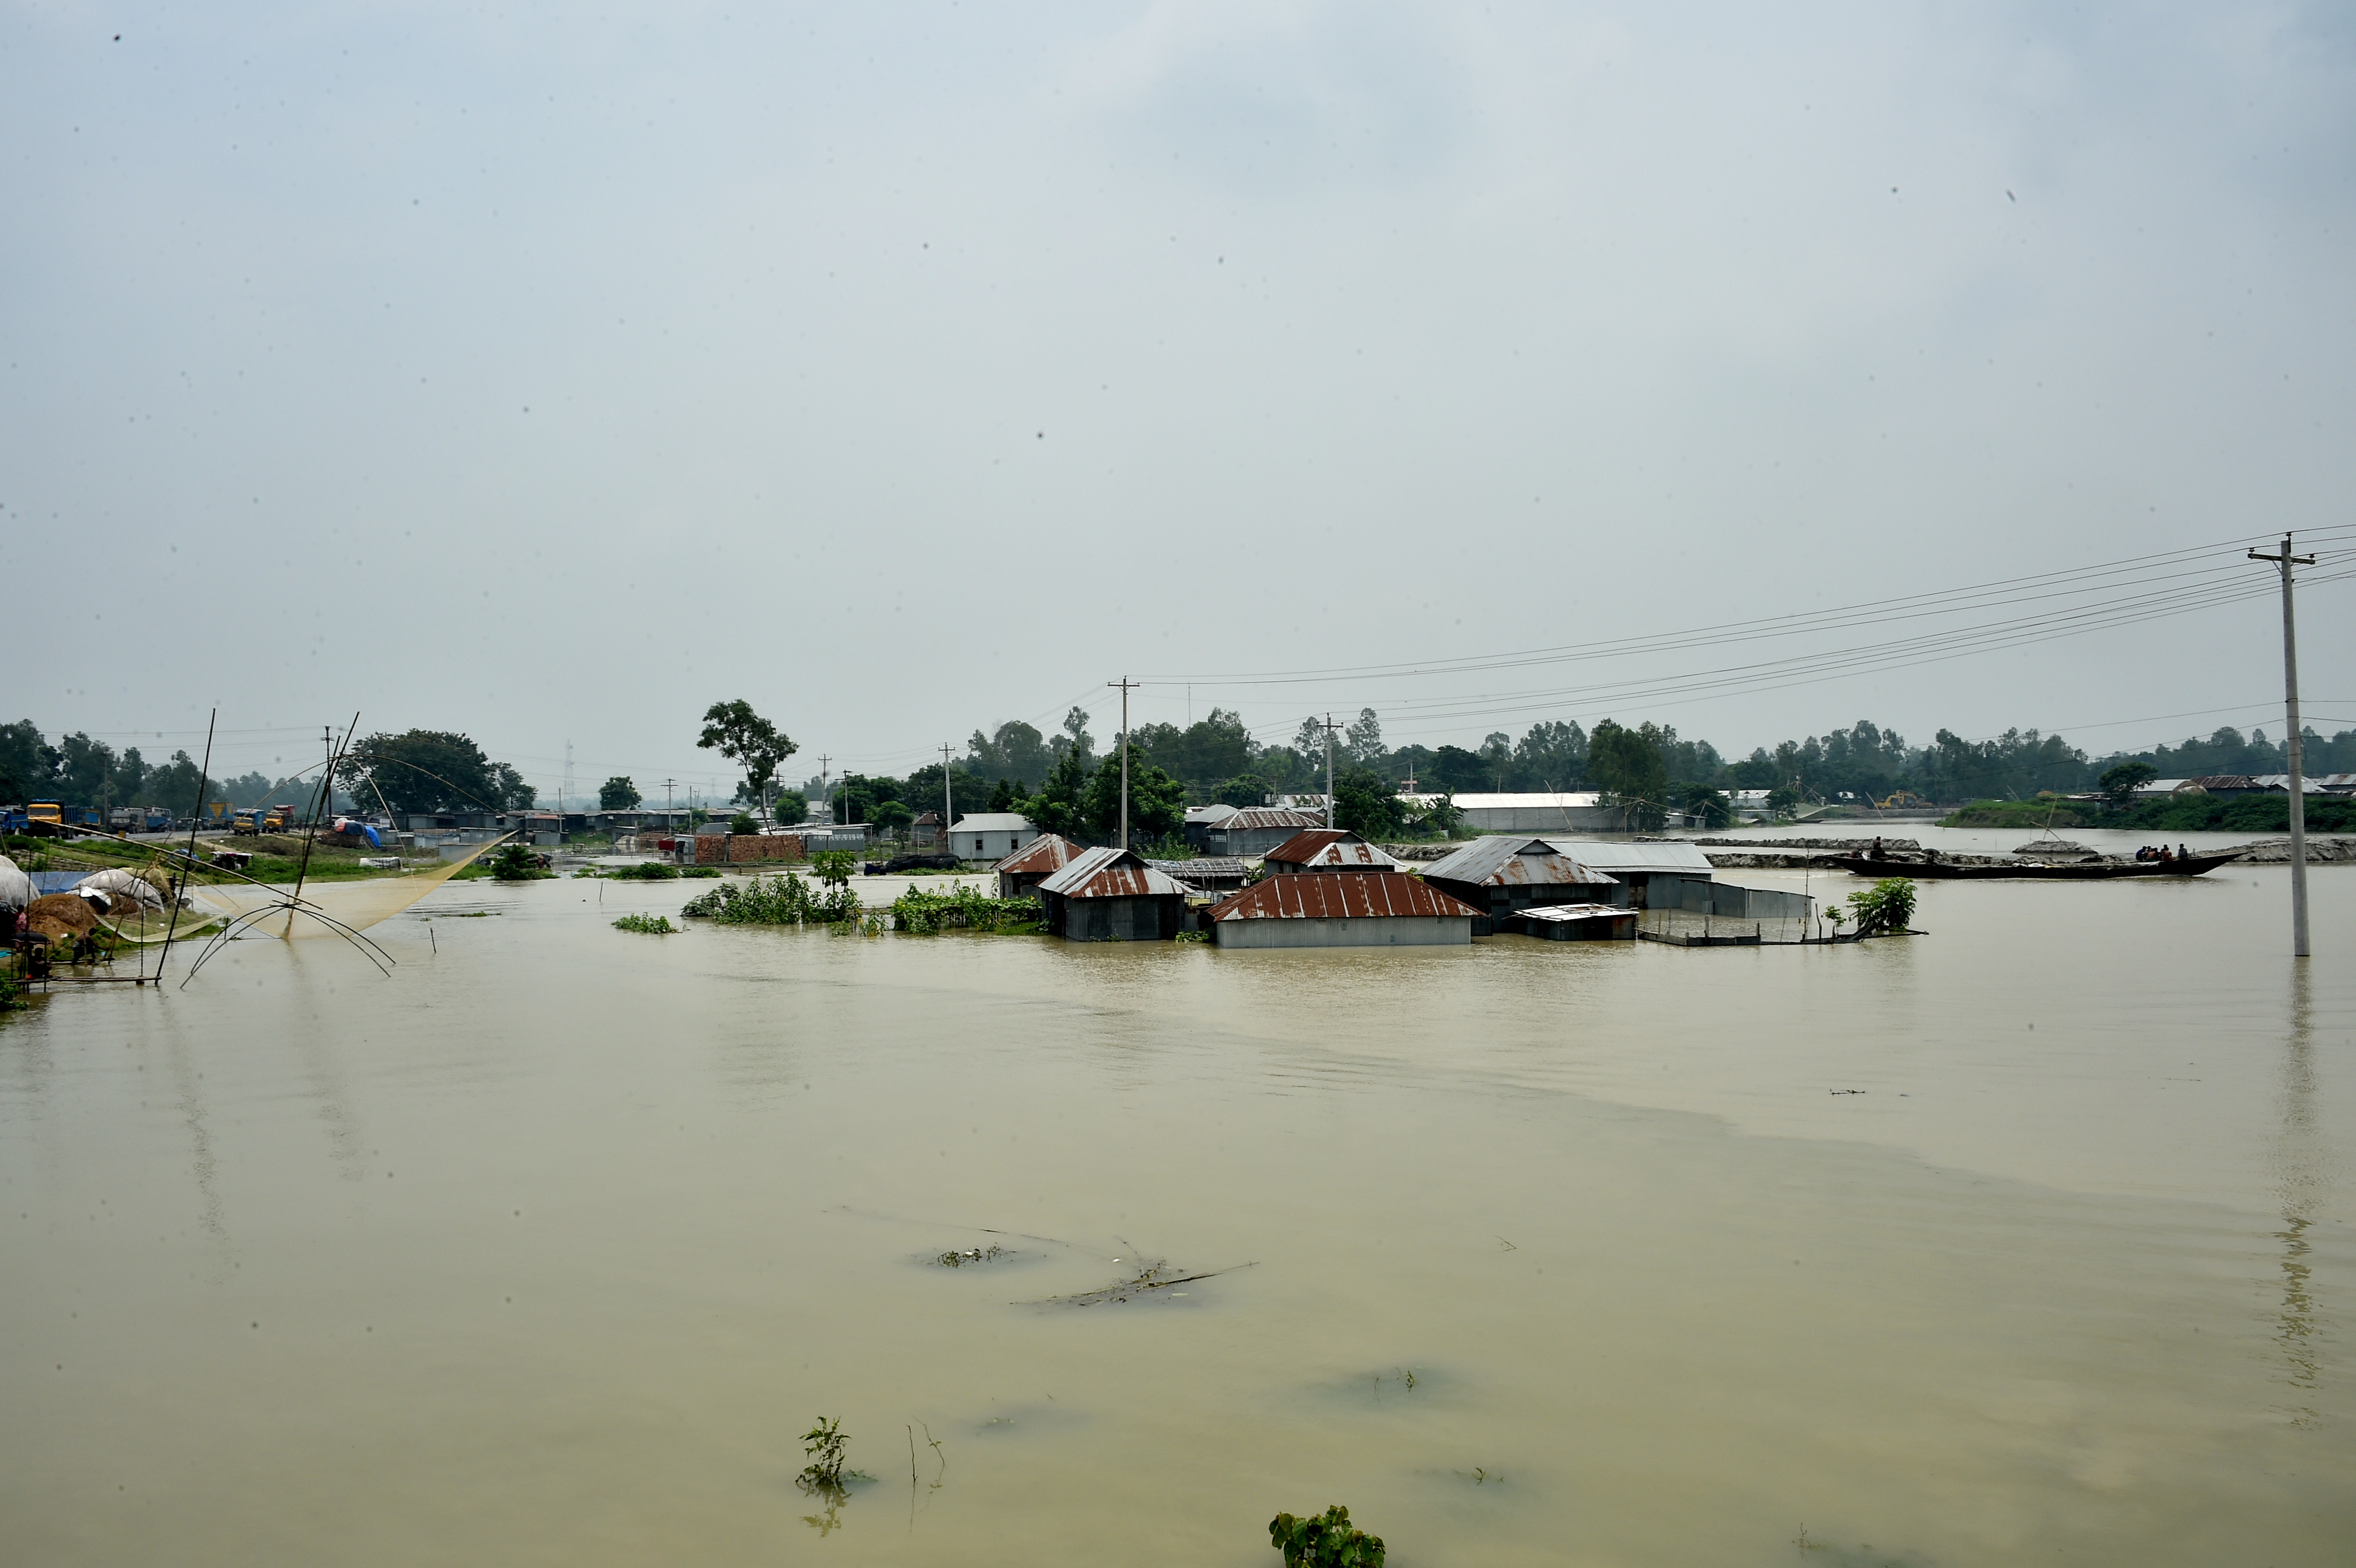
(1157, 1277)
(973, 1255)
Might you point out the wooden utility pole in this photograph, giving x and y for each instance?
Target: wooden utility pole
(1125, 684)
(2292, 748)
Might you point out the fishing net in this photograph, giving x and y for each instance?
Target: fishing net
(353, 906)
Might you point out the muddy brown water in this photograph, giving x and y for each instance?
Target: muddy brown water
(2029, 1240)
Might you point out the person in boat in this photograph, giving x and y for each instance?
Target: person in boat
(1930, 856)
(2164, 854)
(2182, 853)
(1877, 852)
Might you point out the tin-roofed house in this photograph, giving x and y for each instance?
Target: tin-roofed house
(1021, 872)
(1255, 830)
(1110, 894)
(1207, 874)
(1341, 909)
(989, 835)
(1503, 874)
(1201, 819)
(1329, 850)
(1636, 867)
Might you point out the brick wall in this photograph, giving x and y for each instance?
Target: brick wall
(746, 847)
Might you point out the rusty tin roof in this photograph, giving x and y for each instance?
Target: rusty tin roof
(1339, 895)
(1109, 871)
(1040, 856)
(1330, 848)
(1505, 859)
(1268, 816)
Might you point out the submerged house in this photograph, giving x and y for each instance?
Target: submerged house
(1255, 830)
(1504, 874)
(1109, 894)
(1551, 811)
(1574, 922)
(1329, 850)
(1638, 867)
(1341, 909)
(1023, 870)
(1207, 874)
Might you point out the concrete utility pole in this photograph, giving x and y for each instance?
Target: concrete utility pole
(825, 808)
(671, 818)
(1328, 727)
(945, 807)
(1125, 684)
(2293, 748)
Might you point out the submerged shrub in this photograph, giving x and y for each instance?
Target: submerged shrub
(1885, 908)
(784, 900)
(967, 909)
(1325, 1542)
(647, 871)
(648, 925)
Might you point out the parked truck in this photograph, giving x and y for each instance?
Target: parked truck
(248, 821)
(279, 820)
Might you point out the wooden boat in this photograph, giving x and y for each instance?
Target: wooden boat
(2084, 871)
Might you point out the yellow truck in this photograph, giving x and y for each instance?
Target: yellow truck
(280, 819)
(245, 822)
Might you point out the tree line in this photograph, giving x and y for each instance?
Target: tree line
(1062, 782)
(417, 771)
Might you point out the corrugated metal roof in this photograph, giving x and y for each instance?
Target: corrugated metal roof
(1270, 816)
(1674, 857)
(1040, 857)
(1202, 870)
(1570, 800)
(1208, 814)
(1317, 849)
(1339, 895)
(1574, 912)
(991, 822)
(1510, 859)
(1109, 871)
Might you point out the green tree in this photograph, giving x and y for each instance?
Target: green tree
(421, 771)
(1707, 802)
(1016, 751)
(619, 794)
(174, 786)
(1627, 767)
(856, 796)
(25, 765)
(2119, 784)
(1366, 803)
(788, 806)
(749, 740)
(1157, 802)
(513, 793)
(1057, 807)
(892, 816)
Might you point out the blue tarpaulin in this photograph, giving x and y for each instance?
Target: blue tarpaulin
(47, 882)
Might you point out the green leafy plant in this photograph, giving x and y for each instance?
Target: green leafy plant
(827, 1444)
(1325, 1542)
(924, 913)
(1885, 908)
(834, 866)
(701, 871)
(783, 899)
(517, 864)
(742, 823)
(647, 871)
(647, 924)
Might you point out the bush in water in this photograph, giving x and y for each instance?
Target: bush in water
(1885, 908)
(1325, 1542)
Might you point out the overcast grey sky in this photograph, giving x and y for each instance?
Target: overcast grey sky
(548, 373)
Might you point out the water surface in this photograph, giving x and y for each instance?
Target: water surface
(2027, 1239)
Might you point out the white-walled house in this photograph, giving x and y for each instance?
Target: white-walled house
(989, 835)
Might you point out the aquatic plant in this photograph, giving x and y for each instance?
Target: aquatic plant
(926, 913)
(1883, 909)
(827, 1444)
(834, 866)
(517, 864)
(781, 900)
(698, 870)
(1325, 1542)
(11, 1000)
(646, 871)
(647, 924)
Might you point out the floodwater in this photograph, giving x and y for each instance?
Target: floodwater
(2027, 1239)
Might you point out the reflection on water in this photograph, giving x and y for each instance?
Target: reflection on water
(2302, 1180)
(1997, 1245)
